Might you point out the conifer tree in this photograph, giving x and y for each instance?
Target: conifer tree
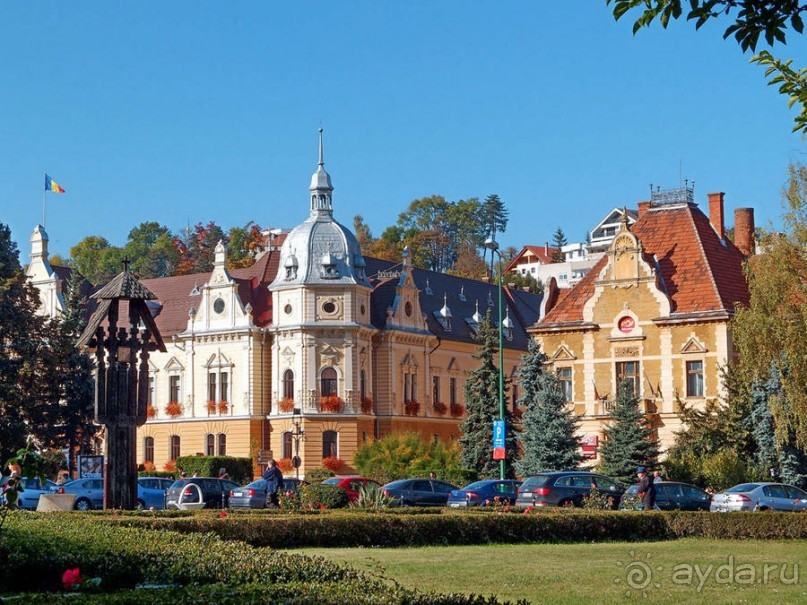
(629, 441)
(548, 427)
(482, 407)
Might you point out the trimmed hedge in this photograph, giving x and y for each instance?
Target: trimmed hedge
(37, 549)
(370, 528)
(161, 474)
(240, 469)
(319, 495)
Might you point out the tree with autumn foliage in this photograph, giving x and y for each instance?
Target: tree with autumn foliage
(197, 248)
(245, 243)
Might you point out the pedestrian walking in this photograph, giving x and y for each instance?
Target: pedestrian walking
(274, 481)
(647, 490)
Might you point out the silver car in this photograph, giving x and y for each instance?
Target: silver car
(760, 496)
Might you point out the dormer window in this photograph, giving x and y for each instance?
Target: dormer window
(490, 299)
(462, 294)
(291, 267)
(428, 289)
(444, 315)
(507, 326)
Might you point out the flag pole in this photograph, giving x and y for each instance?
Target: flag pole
(44, 191)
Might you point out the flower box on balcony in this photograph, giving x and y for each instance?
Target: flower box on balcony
(331, 403)
(211, 407)
(223, 406)
(366, 405)
(286, 405)
(285, 465)
(411, 408)
(332, 462)
(457, 410)
(440, 408)
(151, 411)
(173, 409)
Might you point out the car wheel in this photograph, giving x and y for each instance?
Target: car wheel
(141, 505)
(82, 504)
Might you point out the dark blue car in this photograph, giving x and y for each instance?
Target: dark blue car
(484, 493)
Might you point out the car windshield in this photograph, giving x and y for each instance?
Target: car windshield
(743, 487)
(398, 483)
(178, 483)
(259, 484)
(533, 482)
(477, 485)
(332, 481)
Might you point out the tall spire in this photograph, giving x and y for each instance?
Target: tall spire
(321, 188)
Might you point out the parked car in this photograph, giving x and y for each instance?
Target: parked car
(760, 496)
(199, 492)
(351, 484)
(418, 492)
(89, 493)
(566, 488)
(484, 493)
(151, 492)
(670, 495)
(32, 488)
(255, 495)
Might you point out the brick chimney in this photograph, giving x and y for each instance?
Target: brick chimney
(744, 230)
(716, 213)
(643, 207)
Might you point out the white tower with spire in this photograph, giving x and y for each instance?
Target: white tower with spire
(43, 277)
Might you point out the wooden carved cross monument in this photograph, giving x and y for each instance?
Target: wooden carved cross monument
(122, 380)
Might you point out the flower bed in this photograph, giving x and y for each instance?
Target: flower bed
(366, 405)
(331, 403)
(286, 405)
(211, 406)
(223, 407)
(173, 409)
(457, 410)
(440, 408)
(151, 411)
(411, 408)
(333, 463)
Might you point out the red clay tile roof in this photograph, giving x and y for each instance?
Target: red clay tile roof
(698, 272)
(538, 251)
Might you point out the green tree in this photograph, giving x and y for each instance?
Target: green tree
(197, 249)
(629, 439)
(245, 243)
(400, 455)
(96, 259)
(493, 215)
(482, 407)
(150, 250)
(548, 427)
(558, 241)
(363, 234)
(772, 328)
(770, 19)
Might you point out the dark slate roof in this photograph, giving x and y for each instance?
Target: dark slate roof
(524, 306)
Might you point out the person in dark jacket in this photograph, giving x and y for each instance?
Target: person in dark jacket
(274, 479)
(647, 490)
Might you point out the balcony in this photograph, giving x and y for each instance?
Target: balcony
(605, 407)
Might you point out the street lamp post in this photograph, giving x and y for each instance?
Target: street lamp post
(493, 246)
(298, 434)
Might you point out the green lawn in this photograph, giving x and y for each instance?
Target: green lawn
(605, 572)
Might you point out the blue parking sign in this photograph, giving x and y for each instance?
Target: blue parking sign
(498, 440)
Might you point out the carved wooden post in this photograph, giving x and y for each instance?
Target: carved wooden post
(121, 385)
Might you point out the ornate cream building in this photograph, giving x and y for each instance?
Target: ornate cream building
(360, 347)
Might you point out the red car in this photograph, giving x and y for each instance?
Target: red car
(351, 484)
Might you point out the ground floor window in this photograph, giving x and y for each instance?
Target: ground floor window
(329, 444)
(148, 449)
(222, 444)
(174, 449)
(210, 445)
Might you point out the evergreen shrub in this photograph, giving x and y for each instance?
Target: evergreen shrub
(240, 469)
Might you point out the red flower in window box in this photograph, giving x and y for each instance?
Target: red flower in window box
(332, 462)
(285, 465)
(286, 405)
(457, 410)
(331, 403)
(223, 406)
(366, 405)
(148, 466)
(440, 408)
(411, 408)
(170, 466)
(173, 409)
(211, 406)
(151, 411)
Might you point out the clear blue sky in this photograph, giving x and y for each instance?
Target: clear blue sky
(185, 112)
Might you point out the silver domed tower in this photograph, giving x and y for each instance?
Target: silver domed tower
(320, 250)
(321, 312)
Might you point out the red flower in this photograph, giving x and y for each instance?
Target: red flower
(528, 510)
(222, 514)
(71, 578)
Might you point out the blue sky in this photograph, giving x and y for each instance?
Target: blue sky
(186, 112)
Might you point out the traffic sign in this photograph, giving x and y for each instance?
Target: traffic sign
(498, 440)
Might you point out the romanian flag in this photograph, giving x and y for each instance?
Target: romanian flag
(51, 185)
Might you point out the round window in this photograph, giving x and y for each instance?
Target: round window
(218, 305)
(408, 309)
(287, 309)
(329, 308)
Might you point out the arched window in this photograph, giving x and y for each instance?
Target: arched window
(148, 449)
(329, 382)
(285, 447)
(329, 444)
(173, 453)
(210, 445)
(222, 444)
(288, 384)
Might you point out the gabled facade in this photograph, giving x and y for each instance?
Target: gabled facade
(655, 310)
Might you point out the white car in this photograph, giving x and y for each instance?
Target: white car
(760, 496)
